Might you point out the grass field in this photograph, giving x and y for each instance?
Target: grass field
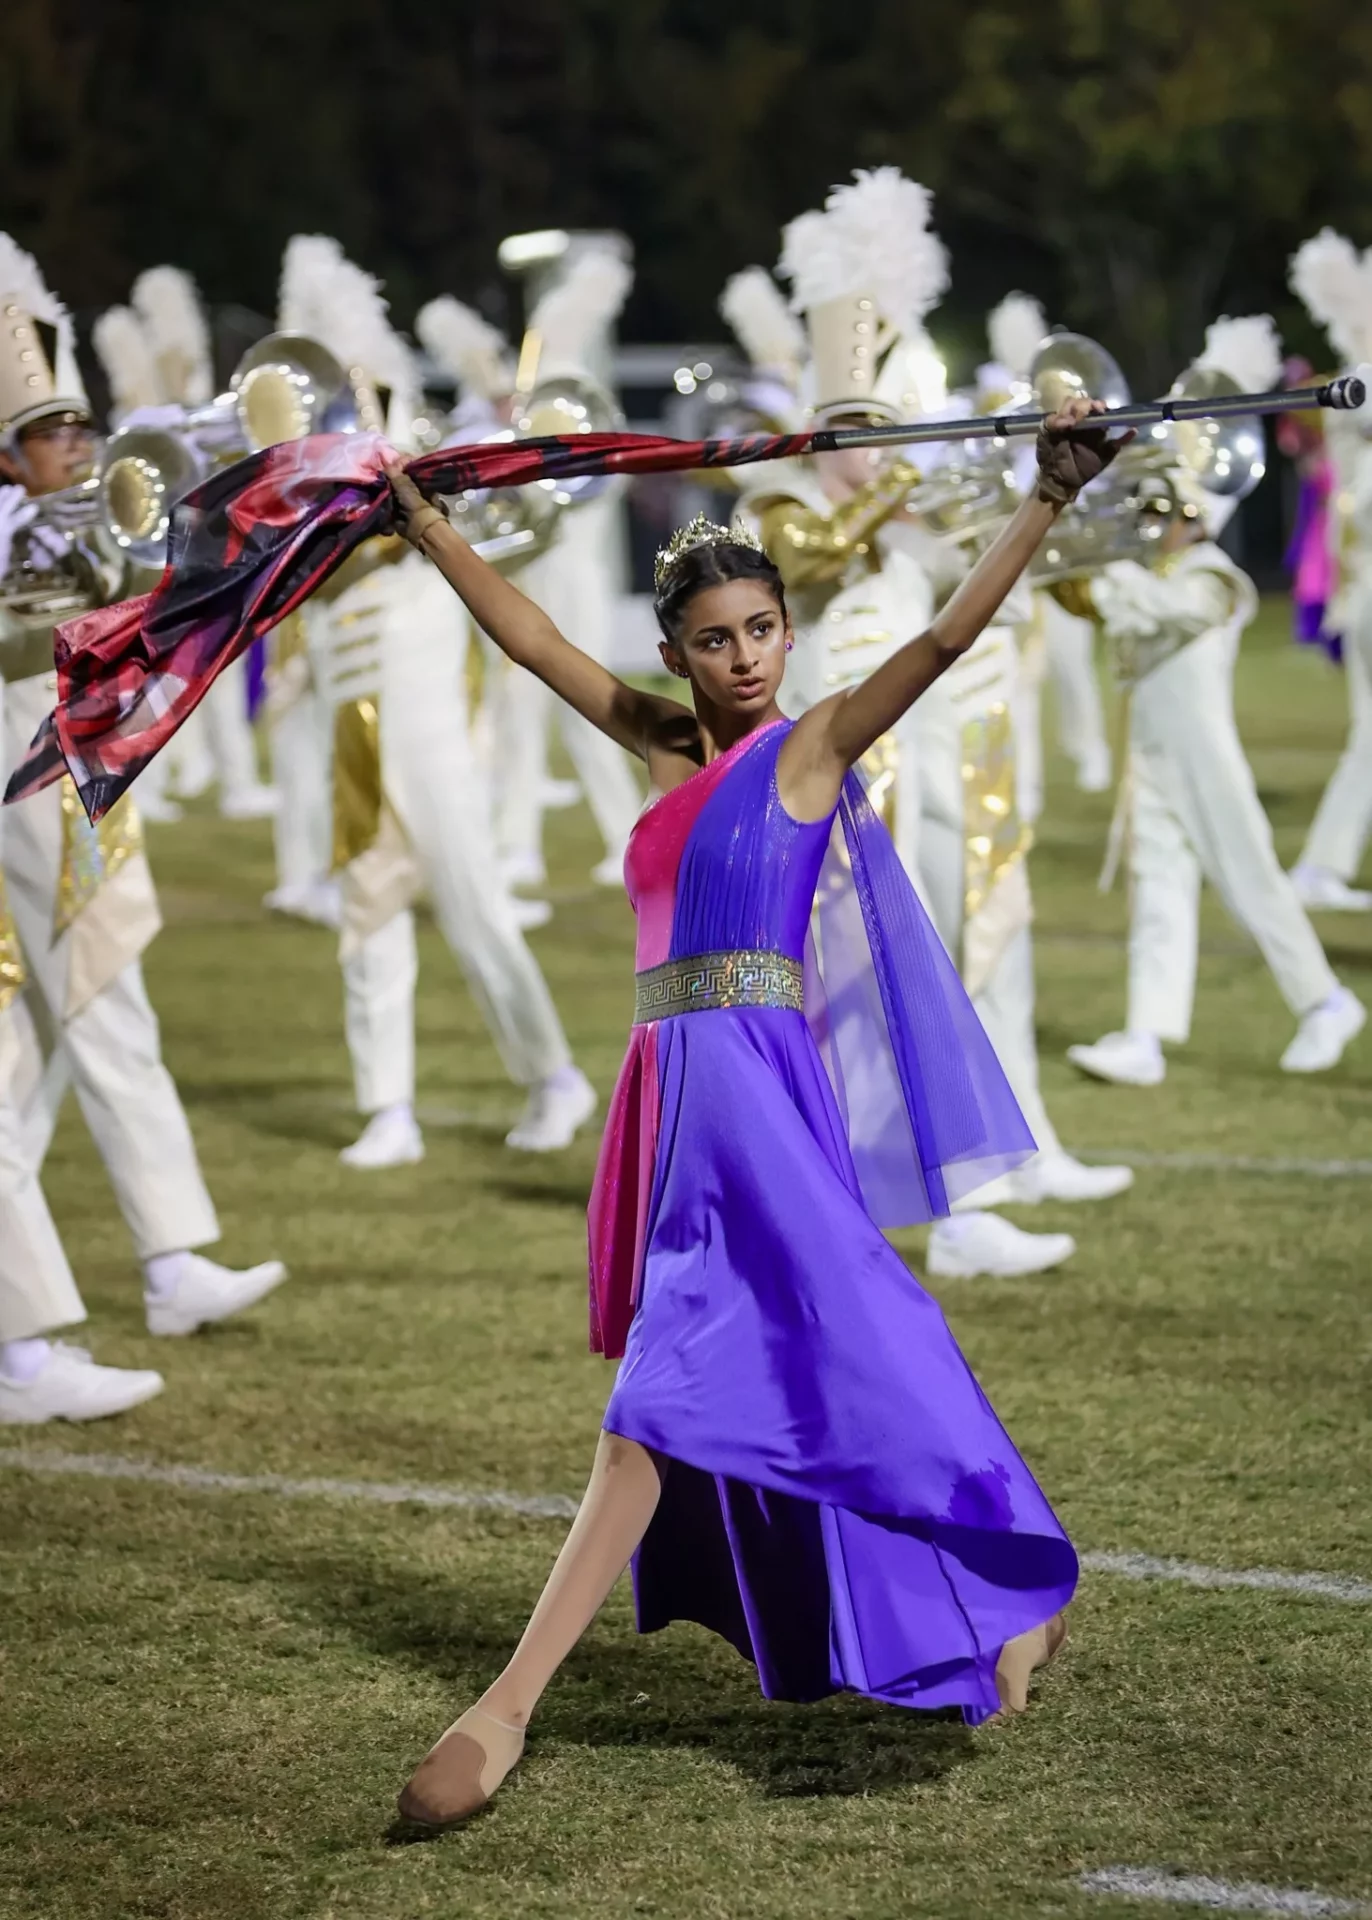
(209, 1698)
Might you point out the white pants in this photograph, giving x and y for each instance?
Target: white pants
(111, 1044)
(1005, 1004)
(1070, 643)
(37, 1292)
(302, 826)
(440, 799)
(1338, 835)
(573, 583)
(1195, 812)
(229, 730)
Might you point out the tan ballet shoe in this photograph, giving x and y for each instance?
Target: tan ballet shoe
(457, 1777)
(1021, 1656)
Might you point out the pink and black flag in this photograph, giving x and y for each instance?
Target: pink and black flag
(250, 544)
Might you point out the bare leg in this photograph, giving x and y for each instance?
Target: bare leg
(458, 1776)
(1020, 1656)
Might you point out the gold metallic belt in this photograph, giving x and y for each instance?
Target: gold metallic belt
(749, 978)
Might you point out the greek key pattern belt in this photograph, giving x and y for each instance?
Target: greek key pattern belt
(749, 978)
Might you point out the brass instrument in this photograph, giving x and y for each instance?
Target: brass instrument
(1226, 455)
(285, 387)
(515, 523)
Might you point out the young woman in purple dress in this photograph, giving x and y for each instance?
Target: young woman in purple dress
(795, 1453)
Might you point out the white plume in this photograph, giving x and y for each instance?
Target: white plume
(762, 323)
(325, 294)
(474, 352)
(571, 316)
(1336, 287)
(125, 351)
(1015, 330)
(873, 237)
(1247, 349)
(166, 301)
(21, 281)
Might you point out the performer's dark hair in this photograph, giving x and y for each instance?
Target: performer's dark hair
(712, 564)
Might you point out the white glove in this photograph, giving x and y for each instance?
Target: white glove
(17, 510)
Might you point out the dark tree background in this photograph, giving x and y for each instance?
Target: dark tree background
(1139, 164)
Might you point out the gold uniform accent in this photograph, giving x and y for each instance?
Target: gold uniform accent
(91, 855)
(357, 793)
(995, 837)
(12, 975)
(811, 549)
(703, 982)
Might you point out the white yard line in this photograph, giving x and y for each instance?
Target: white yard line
(1320, 1586)
(1216, 1896)
(559, 1506)
(109, 1466)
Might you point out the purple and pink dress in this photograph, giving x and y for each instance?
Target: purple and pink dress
(839, 1499)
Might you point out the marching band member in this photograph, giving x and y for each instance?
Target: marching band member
(157, 356)
(80, 900)
(297, 719)
(1189, 805)
(1060, 638)
(387, 650)
(1336, 286)
(573, 580)
(859, 577)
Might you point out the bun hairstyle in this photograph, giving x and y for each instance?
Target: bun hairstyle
(710, 563)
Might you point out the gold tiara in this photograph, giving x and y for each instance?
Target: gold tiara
(699, 532)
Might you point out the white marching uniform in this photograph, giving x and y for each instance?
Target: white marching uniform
(572, 581)
(1190, 808)
(1343, 821)
(973, 845)
(945, 778)
(80, 909)
(298, 741)
(411, 811)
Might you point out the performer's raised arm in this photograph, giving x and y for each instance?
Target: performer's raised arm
(523, 631)
(835, 734)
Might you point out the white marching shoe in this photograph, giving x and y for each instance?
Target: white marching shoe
(1094, 770)
(1324, 892)
(609, 872)
(390, 1138)
(318, 901)
(523, 869)
(204, 1292)
(1057, 1175)
(529, 914)
(558, 795)
(1324, 1032)
(70, 1386)
(555, 1109)
(971, 1244)
(1129, 1059)
(257, 802)
(158, 810)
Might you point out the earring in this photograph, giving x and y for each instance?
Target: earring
(790, 646)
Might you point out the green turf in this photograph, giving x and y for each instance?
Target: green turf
(208, 1701)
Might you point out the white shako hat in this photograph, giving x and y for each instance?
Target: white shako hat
(1016, 328)
(339, 304)
(1248, 350)
(39, 377)
(864, 272)
(774, 340)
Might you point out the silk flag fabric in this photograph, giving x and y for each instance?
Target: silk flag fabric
(251, 543)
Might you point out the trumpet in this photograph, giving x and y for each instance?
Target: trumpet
(284, 387)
